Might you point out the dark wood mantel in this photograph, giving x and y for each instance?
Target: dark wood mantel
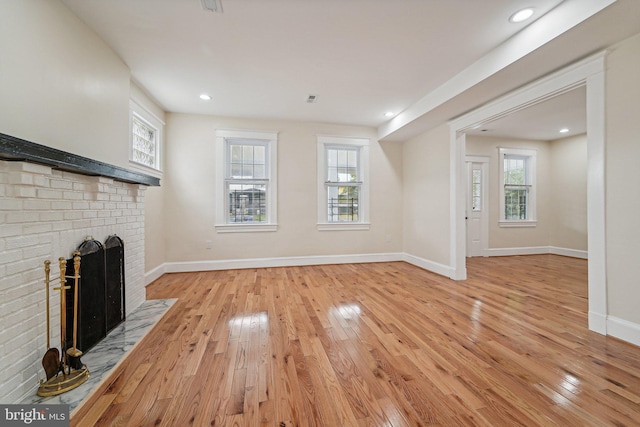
(16, 149)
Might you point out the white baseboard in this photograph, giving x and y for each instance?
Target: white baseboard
(432, 266)
(444, 270)
(623, 329)
(529, 250)
(537, 250)
(154, 274)
(573, 253)
(191, 266)
(598, 322)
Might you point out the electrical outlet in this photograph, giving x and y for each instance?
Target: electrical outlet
(209, 244)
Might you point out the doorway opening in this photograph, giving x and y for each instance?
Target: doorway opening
(589, 73)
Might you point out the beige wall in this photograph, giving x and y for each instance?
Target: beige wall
(61, 85)
(154, 196)
(426, 196)
(516, 237)
(622, 178)
(190, 201)
(568, 201)
(154, 235)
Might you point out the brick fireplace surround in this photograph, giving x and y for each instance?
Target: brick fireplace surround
(46, 213)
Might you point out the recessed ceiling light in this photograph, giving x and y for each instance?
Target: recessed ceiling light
(389, 114)
(205, 97)
(564, 130)
(521, 15)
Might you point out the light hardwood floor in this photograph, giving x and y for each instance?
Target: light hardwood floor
(382, 344)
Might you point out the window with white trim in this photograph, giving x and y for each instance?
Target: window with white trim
(246, 181)
(145, 139)
(343, 187)
(517, 187)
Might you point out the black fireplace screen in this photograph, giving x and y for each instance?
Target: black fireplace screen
(101, 301)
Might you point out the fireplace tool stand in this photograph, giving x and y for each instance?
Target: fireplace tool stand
(69, 372)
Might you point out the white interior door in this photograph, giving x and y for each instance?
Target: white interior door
(477, 209)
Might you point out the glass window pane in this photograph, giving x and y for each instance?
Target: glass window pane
(515, 203)
(143, 143)
(342, 203)
(236, 153)
(259, 154)
(342, 158)
(342, 165)
(343, 175)
(247, 202)
(353, 159)
(332, 174)
(332, 158)
(236, 171)
(352, 174)
(514, 170)
(259, 172)
(247, 154)
(476, 190)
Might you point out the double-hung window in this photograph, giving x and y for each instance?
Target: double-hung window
(517, 187)
(247, 181)
(343, 189)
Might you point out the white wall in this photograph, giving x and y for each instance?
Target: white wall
(190, 202)
(61, 85)
(426, 197)
(622, 178)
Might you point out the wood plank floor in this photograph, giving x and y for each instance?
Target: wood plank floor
(383, 344)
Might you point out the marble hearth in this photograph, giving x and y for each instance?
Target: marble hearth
(107, 354)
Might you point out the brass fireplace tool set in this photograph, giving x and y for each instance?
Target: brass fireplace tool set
(65, 371)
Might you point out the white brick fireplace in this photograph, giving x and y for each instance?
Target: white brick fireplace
(45, 214)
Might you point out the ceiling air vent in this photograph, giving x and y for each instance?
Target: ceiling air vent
(311, 99)
(212, 5)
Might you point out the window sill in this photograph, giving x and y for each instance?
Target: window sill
(343, 226)
(246, 228)
(514, 224)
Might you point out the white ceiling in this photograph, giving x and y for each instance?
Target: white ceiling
(262, 58)
(544, 120)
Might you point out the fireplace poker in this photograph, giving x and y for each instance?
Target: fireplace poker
(73, 353)
(51, 358)
(63, 311)
(70, 379)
